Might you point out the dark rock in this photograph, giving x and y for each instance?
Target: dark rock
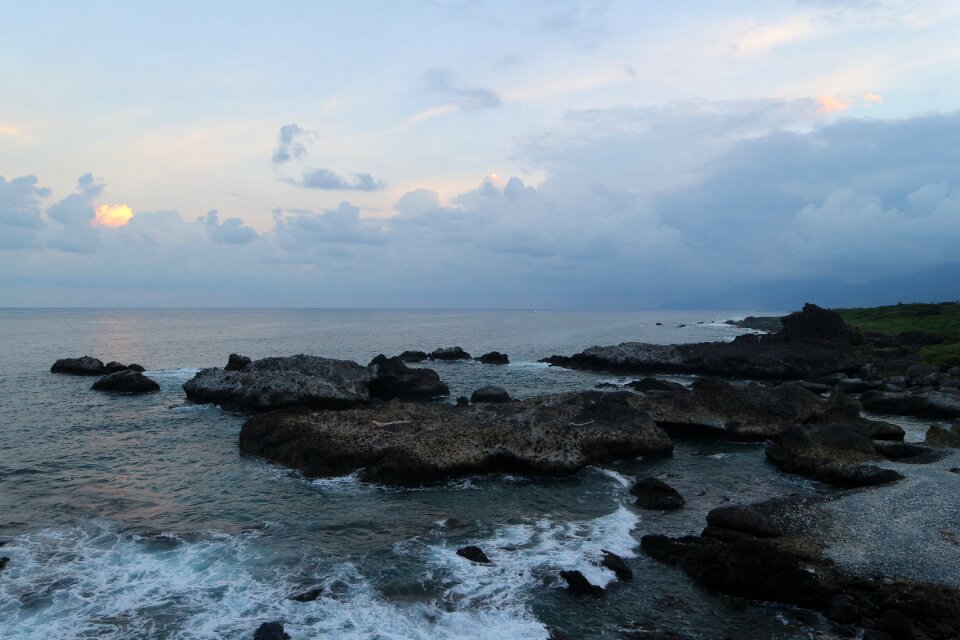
(136, 367)
(922, 404)
(3, 562)
(414, 443)
(113, 367)
(394, 379)
(817, 324)
(770, 324)
(837, 453)
(237, 362)
(473, 554)
(494, 357)
(655, 384)
(126, 381)
(578, 585)
(659, 324)
(271, 631)
(83, 366)
(490, 393)
(744, 520)
(413, 356)
(656, 494)
(955, 470)
(907, 453)
(309, 595)
(616, 564)
(939, 437)
(463, 401)
(276, 383)
(449, 353)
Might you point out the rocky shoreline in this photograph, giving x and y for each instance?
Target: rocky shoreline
(800, 392)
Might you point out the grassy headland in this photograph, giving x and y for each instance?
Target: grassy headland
(933, 328)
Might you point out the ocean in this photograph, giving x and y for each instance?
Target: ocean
(137, 516)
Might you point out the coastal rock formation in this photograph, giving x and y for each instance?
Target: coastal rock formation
(494, 357)
(751, 411)
(276, 383)
(742, 520)
(813, 343)
(271, 631)
(413, 356)
(837, 453)
(490, 393)
(615, 563)
(473, 554)
(90, 366)
(771, 324)
(126, 381)
(940, 437)
(414, 443)
(449, 353)
(578, 585)
(654, 384)
(790, 569)
(394, 379)
(652, 493)
(920, 403)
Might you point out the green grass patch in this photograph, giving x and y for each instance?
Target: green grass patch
(938, 319)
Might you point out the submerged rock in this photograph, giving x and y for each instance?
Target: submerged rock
(494, 357)
(271, 631)
(615, 563)
(275, 383)
(656, 494)
(473, 554)
(309, 595)
(126, 381)
(490, 393)
(449, 353)
(394, 379)
(414, 443)
(578, 585)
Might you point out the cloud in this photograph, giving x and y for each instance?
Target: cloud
(443, 83)
(291, 143)
(89, 187)
(305, 233)
(20, 218)
(418, 201)
(328, 180)
(73, 232)
(230, 231)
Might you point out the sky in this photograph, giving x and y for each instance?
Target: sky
(471, 154)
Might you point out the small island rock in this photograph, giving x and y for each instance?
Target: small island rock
(656, 494)
(490, 393)
(126, 381)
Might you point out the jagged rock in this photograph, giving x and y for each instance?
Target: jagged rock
(616, 564)
(810, 345)
(490, 393)
(394, 379)
(578, 585)
(742, 519)
(271, 631)
(237, 362)
(415, 443)
(449, 353)
(83, 366)
(656, 494)
(836, 453)
(276, 383)
(922, 404)
(114, 366)
(494, 357)
(770, 324)
(309, 595)
(126, 381)
(473, 554)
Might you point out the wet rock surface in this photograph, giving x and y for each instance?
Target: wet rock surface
(473, 554)
(449, 353)
(920, 403)
(652, 493)
(237, 362)
(126, 381)
(490, 393)
(271, 631)
(412, 443)
(494, 357)
(394, 379)
(90, 366)
(578, 585)
(275, 383)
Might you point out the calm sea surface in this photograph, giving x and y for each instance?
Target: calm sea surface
(137, 517)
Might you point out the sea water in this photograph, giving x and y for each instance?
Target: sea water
(137, 516)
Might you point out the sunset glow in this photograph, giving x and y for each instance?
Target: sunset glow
(830, 104)
(113, 215)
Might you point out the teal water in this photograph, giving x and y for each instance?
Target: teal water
(137, 517)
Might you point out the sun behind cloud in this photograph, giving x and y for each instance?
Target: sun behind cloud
(113, 215)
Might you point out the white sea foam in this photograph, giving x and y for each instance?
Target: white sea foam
(83, 583)
(529, 365)
(184, 374)
(619, 478)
